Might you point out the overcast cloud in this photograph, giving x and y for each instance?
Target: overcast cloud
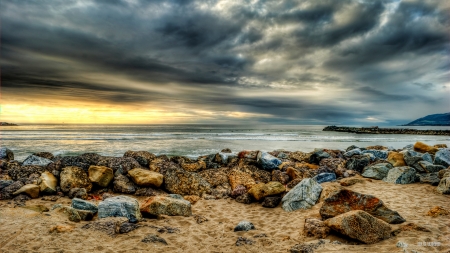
(280, 62)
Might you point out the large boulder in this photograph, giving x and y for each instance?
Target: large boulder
(36, 160)
(318, 155)
(100, 175)
(429, 167)
(142, 157)
(353, 152)
(81, 204)
(48, 183)
(396, 159)
(401, 175)
(304, 195)
(424, 148)
(120, 206)
(267, 161)
(261, 190)
(239, 177)
(179, 181)
(361, 226)
(358, 162)
(377, 171)
(123, 185)
(444, 186)
(215, 177)
(442, 157)
(429, 178)
(31, 190)
(413, 158)
(380, 154)
(6, 154)
(74, 177)
(146, 178)
(166, 205)
(347, 200)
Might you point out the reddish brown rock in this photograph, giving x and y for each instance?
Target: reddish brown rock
(345, 200)
(280, 176)
(437, 211)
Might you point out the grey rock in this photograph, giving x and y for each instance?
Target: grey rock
(401, 175)
(429, 178)
(85, 215)
(444, 186)
(80, 193)
(127, 227)
(5, 183)
(412, 159)
(429, 167)
(377, 171)
(244, 226)
(81, 204)
(324, 177)
(353, 152)
(267, 161)
(36, 160)
(7, 192)
(317, 156)
(380, 154)
(119, 206)
(358, 162)
(352, 147)
(304, 195)
(442, 157)
(123, 185)
(6, 153)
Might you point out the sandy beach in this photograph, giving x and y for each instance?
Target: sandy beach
(25, 230)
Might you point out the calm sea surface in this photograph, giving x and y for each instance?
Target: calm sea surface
(189, 140)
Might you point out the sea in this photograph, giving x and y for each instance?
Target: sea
(191, 140)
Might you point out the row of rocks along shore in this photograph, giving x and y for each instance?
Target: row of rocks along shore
(377, 130)
(172, 184)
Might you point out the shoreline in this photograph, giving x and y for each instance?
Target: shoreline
(377, 130)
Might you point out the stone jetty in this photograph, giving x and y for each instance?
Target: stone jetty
(377, 130)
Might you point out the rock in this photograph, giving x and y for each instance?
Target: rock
(70, 212)
(361, 226)
(100, 175)
(352, 180)
(238, 177)
(440, 146)
(396, 159)
(380, 154)
(31, 190)
(437, 211)
(317, 156)
(46, 155)
(20, 199)
(245, 199)
(336, 165)
(271, 202)
(146, 178)
(192, 198)
(353, 152)
(226, 150)
(443, 173)
(36, 160)
(142, 157)
(315, 228)
(444, 186)
(358, 162)
(424, 148)
(377, 171)
(50, 198)
(119, 206)
(304, 195)
(346, 200)
(261, 190)
(413, 158)
(238, 191)
(215, 177)
(280, 176)
(165, 205)
(120, 165)
(244, 226)
(81, 204)
(37, 208)
(442, 157)
(5, 183)
(429, 178)
(48, 183)
(6, 154)
(429, 167)
(351, 148)
(401, 245)
(299, 156)
(152, 238)
(61, 229)
(179, 181)
(77, 161)
(110, 225)
(22, 172)
(123, 185)
(328, 189)
(85, 215)
(193, 166)
(324, 177)
(74, 177)
(267, 161)
(80, 193)
(401, 175)
(242, 241)
(7, 192)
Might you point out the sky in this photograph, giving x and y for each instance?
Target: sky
(322, 62)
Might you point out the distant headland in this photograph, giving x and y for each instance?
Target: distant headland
(7, 124)
(432, 120)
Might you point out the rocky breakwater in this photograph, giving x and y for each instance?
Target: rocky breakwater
(377, 130)
(103, 187)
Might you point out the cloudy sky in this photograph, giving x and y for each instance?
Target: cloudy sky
(280, 62)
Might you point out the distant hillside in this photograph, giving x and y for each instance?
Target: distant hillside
(432, 120)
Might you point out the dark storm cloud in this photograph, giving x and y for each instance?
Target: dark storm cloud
(223, 56)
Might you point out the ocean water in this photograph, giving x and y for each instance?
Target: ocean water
(190, 140)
